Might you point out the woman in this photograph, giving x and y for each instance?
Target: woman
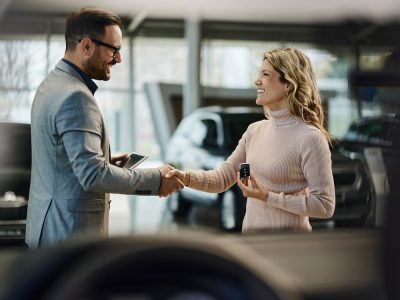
(291, 178)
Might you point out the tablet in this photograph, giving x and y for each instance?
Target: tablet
(134, 160)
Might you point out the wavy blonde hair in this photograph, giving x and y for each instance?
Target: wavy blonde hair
(303, 96)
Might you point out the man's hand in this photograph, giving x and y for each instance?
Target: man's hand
(119, 160)
(178, 173)
(169, 184)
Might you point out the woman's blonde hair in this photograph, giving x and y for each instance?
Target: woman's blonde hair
(303, 95)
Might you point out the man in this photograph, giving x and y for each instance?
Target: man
(72, 170)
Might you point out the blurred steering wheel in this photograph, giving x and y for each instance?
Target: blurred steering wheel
(136, 268)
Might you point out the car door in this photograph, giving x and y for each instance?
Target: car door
(202, 152)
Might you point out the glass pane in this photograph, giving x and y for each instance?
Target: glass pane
(22, 63)
(22, 68)
(231, 64)
(155, 60)
(56, 50)
(114, 107)
(159, 60)
(146, 141)
(199, 131)
(16, 105)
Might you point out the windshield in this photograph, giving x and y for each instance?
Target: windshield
(236, 125)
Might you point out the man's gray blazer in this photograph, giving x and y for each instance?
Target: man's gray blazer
(71, 170)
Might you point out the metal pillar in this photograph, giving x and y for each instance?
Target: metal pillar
(130, 125)
(131, 105)
(191, 91)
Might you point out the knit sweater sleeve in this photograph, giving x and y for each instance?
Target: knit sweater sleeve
(316, 166)
(222, 178)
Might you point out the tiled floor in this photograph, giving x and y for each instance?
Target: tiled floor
(133, 214)
(140, 214)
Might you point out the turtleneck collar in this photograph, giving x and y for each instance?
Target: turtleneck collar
(282, 117)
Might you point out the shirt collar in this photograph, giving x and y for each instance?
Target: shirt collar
(88, 81)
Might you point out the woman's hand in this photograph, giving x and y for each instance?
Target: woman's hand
(252, 190)
(180, 174)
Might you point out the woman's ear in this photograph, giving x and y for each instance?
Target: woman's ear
(287, 88)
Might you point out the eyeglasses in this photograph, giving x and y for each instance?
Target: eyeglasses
(115, 49)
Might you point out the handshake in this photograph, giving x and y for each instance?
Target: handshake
(172, 180)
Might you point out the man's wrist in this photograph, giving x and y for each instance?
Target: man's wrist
(186, 178)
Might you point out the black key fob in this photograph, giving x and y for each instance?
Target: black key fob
(244, 171)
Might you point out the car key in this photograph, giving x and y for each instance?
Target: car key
(244, 173)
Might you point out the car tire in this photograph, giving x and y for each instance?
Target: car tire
(232, 208)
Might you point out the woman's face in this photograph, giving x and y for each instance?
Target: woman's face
(271, 92)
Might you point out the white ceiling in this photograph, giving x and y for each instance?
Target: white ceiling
(282, 11)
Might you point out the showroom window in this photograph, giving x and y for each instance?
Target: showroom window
(21, 70)
(155, 60)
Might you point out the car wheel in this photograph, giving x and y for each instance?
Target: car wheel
(232, 207)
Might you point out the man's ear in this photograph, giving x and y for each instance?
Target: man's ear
(86, 47)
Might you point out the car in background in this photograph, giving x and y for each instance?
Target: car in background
(367, 132)
(371, 139)
(15, 176)
(208, 136)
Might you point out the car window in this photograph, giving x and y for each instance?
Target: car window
(197, 132)
(211, 136)
(235, 127)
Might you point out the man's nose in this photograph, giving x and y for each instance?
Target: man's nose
(118, 57)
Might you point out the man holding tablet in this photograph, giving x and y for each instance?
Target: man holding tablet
(72, 168)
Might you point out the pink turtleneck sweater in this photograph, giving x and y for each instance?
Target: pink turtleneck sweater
(290, 159)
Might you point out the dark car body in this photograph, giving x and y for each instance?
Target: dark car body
(372, 140)
(15, 176)
(368, 132)
(209, 135)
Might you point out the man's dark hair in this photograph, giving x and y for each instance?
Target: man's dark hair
(88, 22)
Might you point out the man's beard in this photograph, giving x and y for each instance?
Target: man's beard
(96, 69)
